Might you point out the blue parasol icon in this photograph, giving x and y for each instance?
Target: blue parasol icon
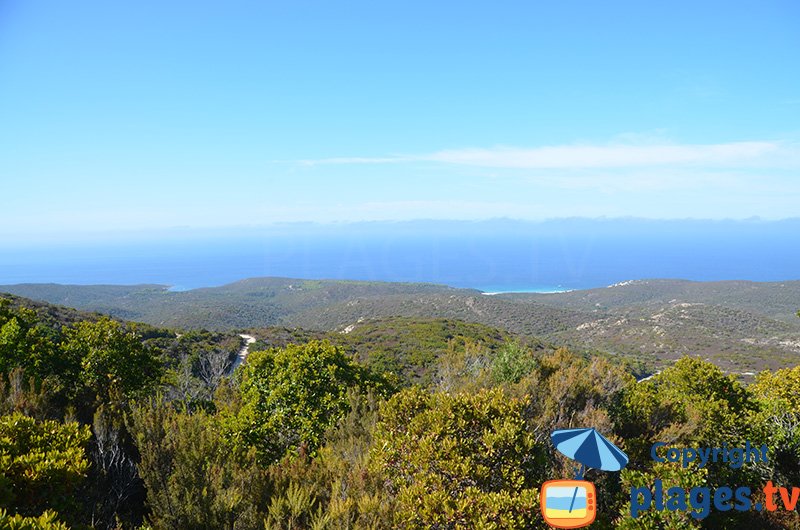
(590, 449)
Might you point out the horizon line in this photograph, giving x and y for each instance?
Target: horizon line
(343, 222)
(36, 238)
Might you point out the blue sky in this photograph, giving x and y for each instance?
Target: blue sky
(153, 114)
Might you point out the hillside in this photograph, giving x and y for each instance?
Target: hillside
(254, 302)
(415, 350)
(475, 385)
(741, 326)
(775, 300)
(51, 315)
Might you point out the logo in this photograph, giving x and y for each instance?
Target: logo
(699, 500)
(568, 503)
(573, 503)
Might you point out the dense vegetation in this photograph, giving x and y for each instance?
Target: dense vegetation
(742, 327)
(399, 423)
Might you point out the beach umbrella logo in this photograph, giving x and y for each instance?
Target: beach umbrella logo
(573, 503)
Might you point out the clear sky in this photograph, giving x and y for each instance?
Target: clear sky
(155, 114)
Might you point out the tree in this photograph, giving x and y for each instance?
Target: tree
(25, 343)
(294, 394)
(112, 360)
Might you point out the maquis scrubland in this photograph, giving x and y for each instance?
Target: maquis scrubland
(116, 425)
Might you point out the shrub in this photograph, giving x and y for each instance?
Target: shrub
(458, 461)
(293, 395)
(42, 465)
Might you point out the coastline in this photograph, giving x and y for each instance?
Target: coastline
(530, 290)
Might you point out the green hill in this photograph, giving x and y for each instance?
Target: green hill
(776, 300)
(246, 303)
(741, 326)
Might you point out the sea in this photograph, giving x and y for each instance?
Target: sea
(492, 256)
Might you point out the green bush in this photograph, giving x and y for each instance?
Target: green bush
(46, 521)
(27, 344)
(42, 465)
(112, 360)
(511, 363)
(458, 461)
(294, 394)
(194, 478)
(691, 402)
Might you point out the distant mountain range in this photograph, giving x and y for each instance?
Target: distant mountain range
(741, 326)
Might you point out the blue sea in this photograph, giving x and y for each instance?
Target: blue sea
(493, 256)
